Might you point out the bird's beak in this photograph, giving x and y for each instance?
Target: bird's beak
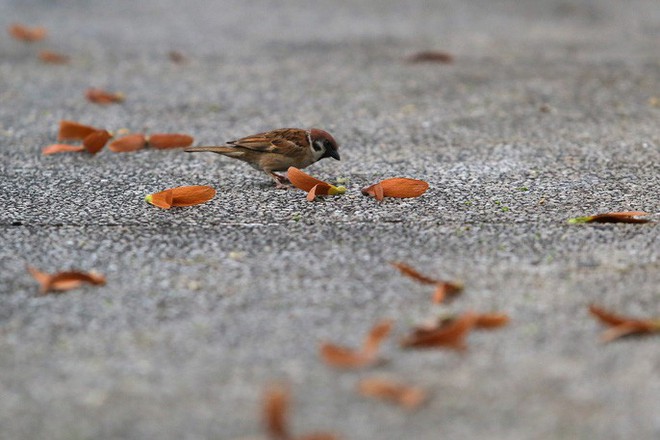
(334, 154)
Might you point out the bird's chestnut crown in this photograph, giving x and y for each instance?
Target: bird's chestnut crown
(323, 141)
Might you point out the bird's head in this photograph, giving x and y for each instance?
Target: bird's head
(323, 144)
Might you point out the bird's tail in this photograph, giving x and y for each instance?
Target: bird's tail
(214, 149)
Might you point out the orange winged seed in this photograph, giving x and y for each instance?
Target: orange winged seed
(491, 320)
(53, 57)
(343, 357)
(311, 195)
(163, 141)
(24, 33)
(276, 411)
(162, 199)
(125, 144)
(303, 180)
(385, 389)
(63, 281)
(94, 142)
(306, 183)
(451, 335)
(408, 271)
(444, 289)
(74, 130)
(100, 96)
(192, 195)
(403, 187)
(620, 326)
(62, 148)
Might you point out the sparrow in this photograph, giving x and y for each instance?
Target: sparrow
(279, 149)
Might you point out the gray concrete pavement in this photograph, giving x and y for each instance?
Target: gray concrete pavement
(206, 305)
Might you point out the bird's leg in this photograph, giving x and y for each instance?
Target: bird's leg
(281, 182)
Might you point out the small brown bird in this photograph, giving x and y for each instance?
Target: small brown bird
(277, 150)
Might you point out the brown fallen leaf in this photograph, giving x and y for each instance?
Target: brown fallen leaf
(343, 357)
(432, 56)
(385, 389)
(94, 142)
(313, 186)
(442, 288)
(132, 142)
(622, 325)
(398, 187)
(63, 281)
(62, 148)
(181, 196)
(275, 414)
(613, 217)
(169, 140)
(450, 333)
(24, 33)
(52, 57)
(74, 130)
(103, 97)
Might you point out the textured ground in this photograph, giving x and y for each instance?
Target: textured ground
(546, 114)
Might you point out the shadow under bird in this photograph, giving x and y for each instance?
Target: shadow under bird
(277, 150)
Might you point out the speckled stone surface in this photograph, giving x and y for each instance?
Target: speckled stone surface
(549, 111)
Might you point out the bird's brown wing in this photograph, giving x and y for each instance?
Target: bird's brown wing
(285, 141)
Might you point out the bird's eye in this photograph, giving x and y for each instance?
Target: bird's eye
(317, 146)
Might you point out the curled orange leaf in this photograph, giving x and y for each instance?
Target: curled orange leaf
(399, 187)
(170, 140)
(181, 196)
(103, 97)
(343, 357)
(450, 334)
(24, 33)
(613, 217)
(95, 141)
(432, 56)
(74, 130)
(313, 186)
(53, 57)
(125, 144)
(62, 148)
(63, 281)
(385, 389)
(622, 325)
